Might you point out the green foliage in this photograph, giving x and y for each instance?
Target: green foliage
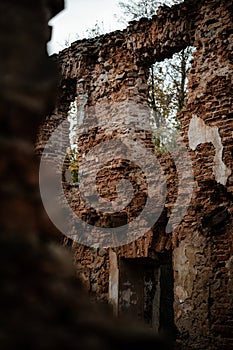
(74, 164)
(165, 139)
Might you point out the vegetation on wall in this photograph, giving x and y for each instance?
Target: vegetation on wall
(73, 164)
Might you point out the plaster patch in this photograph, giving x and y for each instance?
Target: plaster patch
(113, 281)
(200, 133)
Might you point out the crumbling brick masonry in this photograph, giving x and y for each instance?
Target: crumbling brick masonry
(107, 77)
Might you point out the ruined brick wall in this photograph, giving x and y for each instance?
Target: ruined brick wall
(42, 305)
(203, 252)
(110, 73)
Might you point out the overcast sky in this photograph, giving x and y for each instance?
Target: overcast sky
(78, 16)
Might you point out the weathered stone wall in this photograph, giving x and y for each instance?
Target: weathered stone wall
(111, 72)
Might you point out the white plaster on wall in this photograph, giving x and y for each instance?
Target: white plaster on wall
(184, 260)
(113, 281)
(200, 133)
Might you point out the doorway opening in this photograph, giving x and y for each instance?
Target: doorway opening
(146, 293)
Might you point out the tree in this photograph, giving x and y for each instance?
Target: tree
(96, 30)
(167, 80)
(135, 9)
